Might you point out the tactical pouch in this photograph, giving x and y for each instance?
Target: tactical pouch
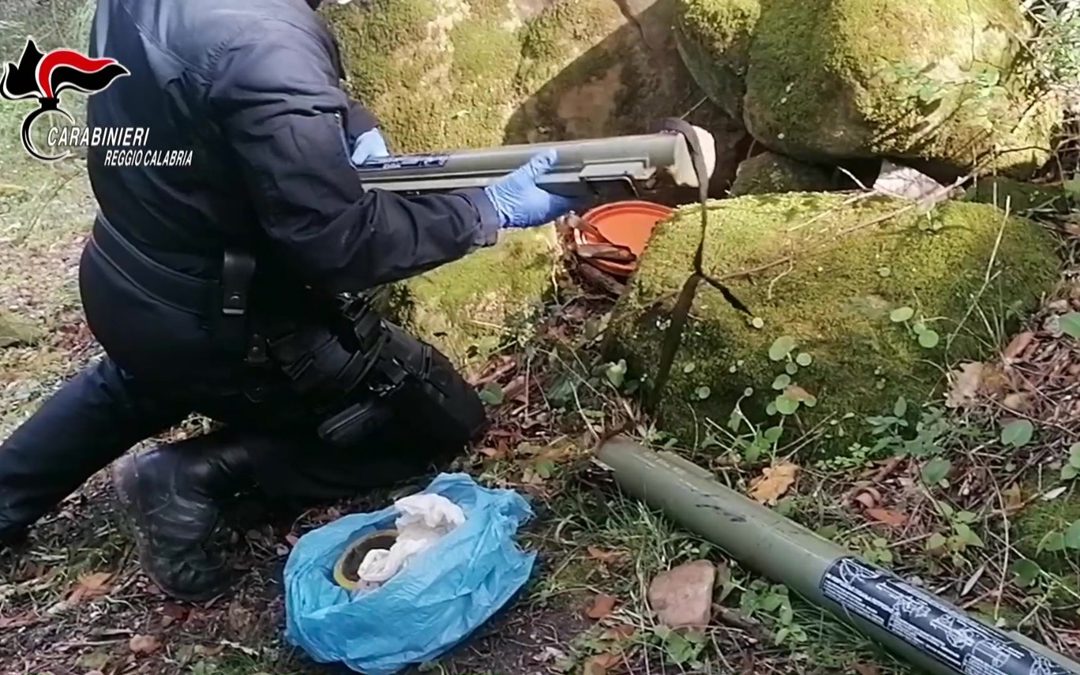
(378, 372)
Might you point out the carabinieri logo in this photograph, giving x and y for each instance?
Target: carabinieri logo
(43, 76)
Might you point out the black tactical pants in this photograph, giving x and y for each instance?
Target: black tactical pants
(102, 412)
(105, 410)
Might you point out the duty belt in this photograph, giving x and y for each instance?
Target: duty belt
(222, 302)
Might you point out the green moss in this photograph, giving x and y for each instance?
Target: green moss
(713, 38)
(865, 78)
(771, 173)
(830, 274)
(1040, 518)
(478, 73)
(470, 307)
(1017, 196)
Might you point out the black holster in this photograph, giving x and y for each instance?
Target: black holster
(376, 371)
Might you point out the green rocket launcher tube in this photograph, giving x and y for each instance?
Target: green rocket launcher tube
(598, 163)
(916, 625)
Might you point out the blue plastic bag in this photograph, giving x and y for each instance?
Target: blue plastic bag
(443, 595)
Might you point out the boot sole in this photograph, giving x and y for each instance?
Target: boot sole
(125, 476)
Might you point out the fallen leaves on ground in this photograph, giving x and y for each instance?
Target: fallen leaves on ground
(18, 621)
(869, 497)
(623, 631)
(965, 385)
(601, 606)
(774, 483)
(890, 518)
(604, 556)
(866, 669)
(1018, 345)
(600, 664)
(90, 586)
(1014, 498)
(144, 644)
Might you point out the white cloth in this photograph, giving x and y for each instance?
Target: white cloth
(424, 520)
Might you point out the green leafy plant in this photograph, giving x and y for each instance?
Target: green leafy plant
(1058, 540)
(682, 648)
(1017, 433)
(1053, 54)
(1070, 324)
(936, 471)
(616, 373)
(927, 337)
(791, 396)
(773, 601)
(1072, 469)
(1025, 572)
(492, 394)
(897, 436)
(959, 537)
(876, 550)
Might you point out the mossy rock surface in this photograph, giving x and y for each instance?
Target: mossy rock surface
(470, 307)
(713, 37)
(769, 173)
(15, 331)
(939, 82)
(1018, 196)
(444, 74)
(829, 274)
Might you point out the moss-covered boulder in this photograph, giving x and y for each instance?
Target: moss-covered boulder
(769, 173)
(855, 305)
(941, 82)
(713, 38)
(470, 307)
(474, 73)
(15, 331)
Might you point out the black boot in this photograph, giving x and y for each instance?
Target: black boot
(174, 495)
(93, 419)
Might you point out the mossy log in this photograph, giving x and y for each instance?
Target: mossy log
(825, 273)
(471, 307)
(942, 82)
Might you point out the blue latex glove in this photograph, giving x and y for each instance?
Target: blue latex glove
(369, 145)
(520, 202)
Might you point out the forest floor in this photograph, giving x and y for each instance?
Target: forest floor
(73, 601)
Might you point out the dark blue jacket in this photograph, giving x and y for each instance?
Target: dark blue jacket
(252, 87)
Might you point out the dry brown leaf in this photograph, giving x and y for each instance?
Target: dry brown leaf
(866, 499)
(1018, 403)
(600, 607)
(890, 518)
(144, 644)
(601, 663)
(797, 393)
(605, 556)
(774, 482)
(1014, 498)
(965, 385)
(90, 586)
(1018, 345)
(866, 669)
